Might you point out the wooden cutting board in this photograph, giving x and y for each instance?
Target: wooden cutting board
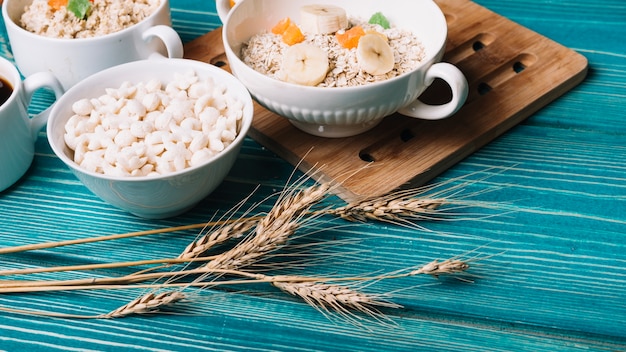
(512, 72)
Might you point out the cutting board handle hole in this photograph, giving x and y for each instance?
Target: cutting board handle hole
(518, 67)
(478, 45)
(406, 135)
(484, 88)
(470, 47)
(505, 72)
(367, 157)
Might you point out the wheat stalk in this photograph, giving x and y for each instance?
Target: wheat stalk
(324, 295)
(273, 230)
(218, 236)
(327, 295)
(112, 265)
(148, 303)
(434, 268)
(395, 207)
(446, 267)
(46, 245)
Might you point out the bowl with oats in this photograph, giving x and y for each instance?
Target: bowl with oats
(73, 39)
(336, 70)
(152, 137)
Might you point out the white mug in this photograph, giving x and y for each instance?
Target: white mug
(71, 60)
(18, 132)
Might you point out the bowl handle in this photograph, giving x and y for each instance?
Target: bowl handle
(169, 37)
(458, 84)
(33, 83)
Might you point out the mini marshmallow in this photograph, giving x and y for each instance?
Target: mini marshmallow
(152, 86)
(135, 108)
(190, 124)
(228, 136)
(201, 88)
(151, 101)
(199, 142)
(151, 128)
(216, 144)
(201, 156)
(162, 121)
(110, 154)
(140, 129)
(82, 107)
(209, 116)
(124, 138)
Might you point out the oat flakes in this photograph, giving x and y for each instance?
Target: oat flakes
(105, 17)
(263, 52)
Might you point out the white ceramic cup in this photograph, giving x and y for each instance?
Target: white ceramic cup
(18, 132)
(346, 111)
(71, 60)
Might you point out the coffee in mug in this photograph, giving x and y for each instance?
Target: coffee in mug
(6, 89)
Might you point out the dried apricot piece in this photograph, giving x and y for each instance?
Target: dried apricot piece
(281, 26)
(292, 35)
(349, 39)
(57, 4)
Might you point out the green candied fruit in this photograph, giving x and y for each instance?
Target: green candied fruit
(379, 19)
(79, 8)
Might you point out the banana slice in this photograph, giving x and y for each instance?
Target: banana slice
(374, 54)
(322, 19)
(381, 34)
(305, 64)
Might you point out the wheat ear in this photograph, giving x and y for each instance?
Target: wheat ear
(272, 231)
(395, 207)
(148, 303)
(446, 267)
(204, 243)
(330, 297)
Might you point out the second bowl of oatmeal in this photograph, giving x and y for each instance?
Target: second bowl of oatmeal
(336, 70)
(49, 36)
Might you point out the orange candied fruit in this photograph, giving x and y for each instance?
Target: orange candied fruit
(293, 35)
(289, 31)
(57, 4)
(281, 26)
(349, 39)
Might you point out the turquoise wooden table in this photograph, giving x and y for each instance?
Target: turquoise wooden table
(545, 237)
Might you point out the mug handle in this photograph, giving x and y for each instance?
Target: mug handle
(458, 84)
(33, 83)
(169, 37)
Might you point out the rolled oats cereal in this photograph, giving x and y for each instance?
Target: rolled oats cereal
(150, 128)
(104, 17)
(264, 52)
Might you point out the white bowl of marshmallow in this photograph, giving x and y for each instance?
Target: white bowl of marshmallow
(152, 137)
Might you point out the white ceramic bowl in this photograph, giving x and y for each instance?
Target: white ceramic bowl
(71, 60)
(150, 196)
(339, 112)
